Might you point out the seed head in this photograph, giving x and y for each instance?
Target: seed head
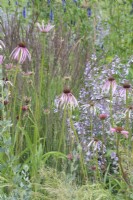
(22, 45)
(24, 108)
(66, 91)
(126, 85)
(111, 79)
(6, 102)
(102, 116)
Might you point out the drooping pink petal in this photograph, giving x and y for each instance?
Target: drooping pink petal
(125, 133)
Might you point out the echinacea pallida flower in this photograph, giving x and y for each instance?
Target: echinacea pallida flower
(67, 100)
(120, 130)
(44, 28)
(126, 87)
(110, 84)
(20, 53)
(96, 144)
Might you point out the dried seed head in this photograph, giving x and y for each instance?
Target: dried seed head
(22, 45)
(24, 108)
(95, 139)
(6, 102)
(67, 78)
(17, 117)
(130, 107)
(69, 156)
(93, 167)
(27, 99)
(46, 111)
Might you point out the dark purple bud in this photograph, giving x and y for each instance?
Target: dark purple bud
(48, 2)
(64, 2)
(89, 12)
(24, 12)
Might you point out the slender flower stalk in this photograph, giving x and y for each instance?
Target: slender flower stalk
(111, 105)
(83, 167)
(103, 117)
(120, 130)
(127, 115)
(20, 53)
(124, 92)
(110, 87)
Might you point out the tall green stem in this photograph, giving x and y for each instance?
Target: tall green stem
(111, 105)
(120, 162)
(91, 125)
(62, 136)
(77, 139)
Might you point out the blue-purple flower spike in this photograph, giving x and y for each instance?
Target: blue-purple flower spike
(64, 2)
(51, 15)
(89, 12)
(24, 12)
(48, 2)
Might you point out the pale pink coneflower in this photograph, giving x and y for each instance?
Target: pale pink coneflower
(95, 144)
(1, 59)
(91, 106)
(110, 84)
(20, 53)
(45, 28)
(67, 100)
(119, 130)
(129, 111)
(2, 45)
(123, 91)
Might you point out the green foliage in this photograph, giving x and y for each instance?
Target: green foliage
(39, 136)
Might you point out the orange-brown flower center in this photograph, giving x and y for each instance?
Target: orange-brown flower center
(119, 129)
